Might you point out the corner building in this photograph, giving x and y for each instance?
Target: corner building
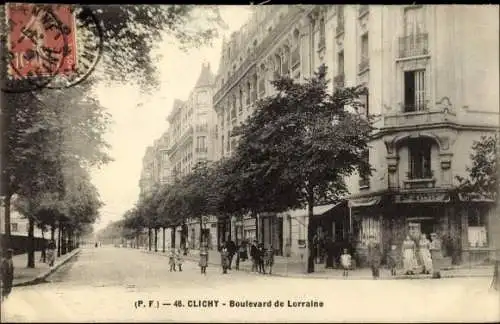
(432, 79)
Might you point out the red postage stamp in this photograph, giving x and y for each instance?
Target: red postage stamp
(41, 39)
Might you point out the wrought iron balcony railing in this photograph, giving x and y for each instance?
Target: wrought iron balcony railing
(201, 150)
(413, 45)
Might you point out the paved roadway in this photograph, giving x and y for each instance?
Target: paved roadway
(104, 284)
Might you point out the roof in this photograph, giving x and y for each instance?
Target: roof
(206, 78)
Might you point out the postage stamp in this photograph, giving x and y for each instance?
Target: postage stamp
(41, 40)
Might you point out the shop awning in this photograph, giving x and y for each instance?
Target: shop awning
(364, 202)
(474, 198)
(317, 210)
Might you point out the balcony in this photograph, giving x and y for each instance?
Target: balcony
(417, 118)
(420, 180)
(239, 73)
(362, 10)
(338, 81)
(201, 150)
(363, 65)
(201, 128)
(413, 45)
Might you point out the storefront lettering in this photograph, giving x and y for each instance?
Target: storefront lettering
(422, 197)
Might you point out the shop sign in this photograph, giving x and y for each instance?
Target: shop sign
(422, 197)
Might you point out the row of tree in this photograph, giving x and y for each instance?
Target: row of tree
(51, 139)
(294, 151)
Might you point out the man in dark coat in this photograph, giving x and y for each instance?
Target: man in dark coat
(231, 250)
(374, 257)
(254, 254)
(330, 253)
(7, 270)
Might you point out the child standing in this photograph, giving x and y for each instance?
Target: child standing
(270, 259)
(224, 255)
(204, 258)
(392, 259)
(171, 260)
(345, 261)
(179, 260)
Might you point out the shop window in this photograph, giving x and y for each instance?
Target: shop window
(370, 226)
(477, 228)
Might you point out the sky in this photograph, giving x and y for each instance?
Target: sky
(138, 120)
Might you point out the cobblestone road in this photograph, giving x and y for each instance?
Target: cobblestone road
(105, 284)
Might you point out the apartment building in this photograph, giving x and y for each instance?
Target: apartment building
(192, 133)
(432, 79)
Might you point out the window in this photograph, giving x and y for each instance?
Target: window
(340, 19)
(414, 90)
(201, 142)
(340, 63)
(240, 107)
(414, 21)
(222, 144)
(203, 98)
(370, 226)
(14, 227)
(364, 175)
(420, 159)
(322, 33)
(295, 56)
(365, 102)
(364, 59)
(476, 228)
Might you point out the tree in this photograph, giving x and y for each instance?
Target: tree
(299, 145)
(482, 178)
(132, 32)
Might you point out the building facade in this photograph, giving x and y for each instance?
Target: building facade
(432, 77)
(192, 133)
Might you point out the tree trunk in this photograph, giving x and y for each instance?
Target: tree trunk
(163, 247)
(63, 240)
(310, 236)
(59, 240)
(256, 227)
(149, 239)
(201, 231)
(156, 239)
(6, 243)
(172, 237)
(31, 243)
(53, 232)
(136, 240)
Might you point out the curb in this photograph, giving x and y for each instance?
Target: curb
(43, 275)
(305, 276)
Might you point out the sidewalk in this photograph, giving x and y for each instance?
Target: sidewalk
(24, 276)
(284, 267)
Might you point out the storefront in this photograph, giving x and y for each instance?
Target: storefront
(271, 231)
(389, 218)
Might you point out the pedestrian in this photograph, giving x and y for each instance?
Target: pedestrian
(374, 256)
(345, 261)
(270, 259)
(261, 255)
(43, 256)
(329, 253)
(409, 261)
(171, 260)
(7, 270)
(243, 251)
(436, 255)
(237, 257)
(254, 254)
(51, 255)
(204, 258)
(231, 249)
(179, 259)
(425, 254)
(392, 259)
(224, 255)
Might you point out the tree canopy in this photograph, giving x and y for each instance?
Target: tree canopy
(482, 178)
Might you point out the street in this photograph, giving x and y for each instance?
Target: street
(105, 284)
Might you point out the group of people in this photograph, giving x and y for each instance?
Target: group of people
(175, 259)
(262, 258)
(429, 252)
(425, 257)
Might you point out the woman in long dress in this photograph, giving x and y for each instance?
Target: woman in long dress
(425, 254)
(409, 261)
